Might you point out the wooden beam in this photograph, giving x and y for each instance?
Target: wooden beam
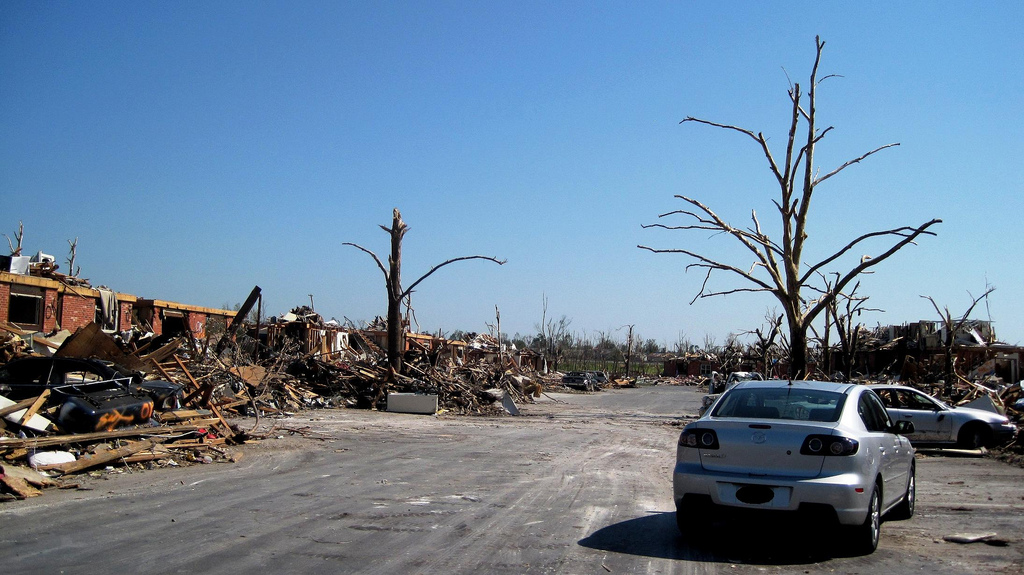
(101, 458)
(37, 442)
(24, 404)
(34, 407)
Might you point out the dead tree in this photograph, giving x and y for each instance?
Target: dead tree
(393, 281)
(953, 326)
(19, 236)
(554, 334)
(778, 266)
(847, 327)
(72, 255)
(765, 346)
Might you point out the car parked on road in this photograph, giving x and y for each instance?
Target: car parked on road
(91, 395)
(936, 423)
(579, 380)
(717, 388)
(826, 451)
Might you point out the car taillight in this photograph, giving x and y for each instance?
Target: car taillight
(699, 438)
(829, 445)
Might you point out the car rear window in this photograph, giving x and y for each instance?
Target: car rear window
(781, 403)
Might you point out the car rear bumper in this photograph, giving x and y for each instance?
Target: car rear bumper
(838, 493)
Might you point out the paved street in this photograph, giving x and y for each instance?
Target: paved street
(581, 485)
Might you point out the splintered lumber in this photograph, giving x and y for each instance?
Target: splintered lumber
(28, 418)
(101, 458)
(185, 370)
(91, 341)
(31, 476)
(163, 352)
(39, 401)
(20, 487)
(24, 404)
(37, 442)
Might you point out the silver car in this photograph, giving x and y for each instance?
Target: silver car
(825, 450)
(936, 423)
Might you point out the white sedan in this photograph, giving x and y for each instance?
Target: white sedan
(936, 423)
(825, 450)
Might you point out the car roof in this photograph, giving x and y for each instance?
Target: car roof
(836, 387)
(890, 386)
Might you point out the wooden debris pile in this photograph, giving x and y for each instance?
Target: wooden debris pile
(193, 430)
(311, 382)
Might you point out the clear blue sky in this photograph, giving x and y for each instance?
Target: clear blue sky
(198, 149)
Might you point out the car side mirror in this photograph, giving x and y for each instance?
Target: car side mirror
(903, 427)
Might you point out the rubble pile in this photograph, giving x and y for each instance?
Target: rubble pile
(167, 402)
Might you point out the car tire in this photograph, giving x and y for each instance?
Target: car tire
(905, 508)
(687, 520)
(864, 537)
(972, 436)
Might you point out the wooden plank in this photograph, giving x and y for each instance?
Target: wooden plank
(24, 404)
(101, 458)
(31, 476)
(20, 487)
(185, 370)
(91, 341)
(163, 371)
(34, 407)
(43, 341)
(164, 351)
(159, 432)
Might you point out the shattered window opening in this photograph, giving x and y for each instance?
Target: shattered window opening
(26, 307)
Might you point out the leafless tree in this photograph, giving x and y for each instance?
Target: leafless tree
(683, 343)
(19, 236)
(953, 326)
(628, 356)
(393, 282)
(553, 334)
(778, 267)
(845, 311)
(765, 345)
(72, 255)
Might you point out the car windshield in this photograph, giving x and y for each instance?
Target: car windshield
(781, 403)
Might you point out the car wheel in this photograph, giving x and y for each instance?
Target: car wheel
(865, 536)
(905, 509)
(688, 519)
(972, 436)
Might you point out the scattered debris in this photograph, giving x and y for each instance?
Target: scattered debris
(986, 538)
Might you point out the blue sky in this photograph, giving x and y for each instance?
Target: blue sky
(198, 149)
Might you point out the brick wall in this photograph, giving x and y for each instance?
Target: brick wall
(77, 311)
(5, 302)
(125, 322)
(49, 310)
(197, 324)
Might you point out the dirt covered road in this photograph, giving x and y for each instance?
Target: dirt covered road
(577, 485)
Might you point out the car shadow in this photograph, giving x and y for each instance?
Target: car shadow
(754, 543)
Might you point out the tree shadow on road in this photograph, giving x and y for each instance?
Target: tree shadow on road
(754, 543)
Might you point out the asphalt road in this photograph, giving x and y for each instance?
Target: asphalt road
(582, 486)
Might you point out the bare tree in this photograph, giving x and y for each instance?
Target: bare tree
(553, 335)
(765, 347)
(683, 343)
(393, 281)
(845, 311)
(953, 326)
(629, 347)
(19, 236)
(72, 255)
(778, 267)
